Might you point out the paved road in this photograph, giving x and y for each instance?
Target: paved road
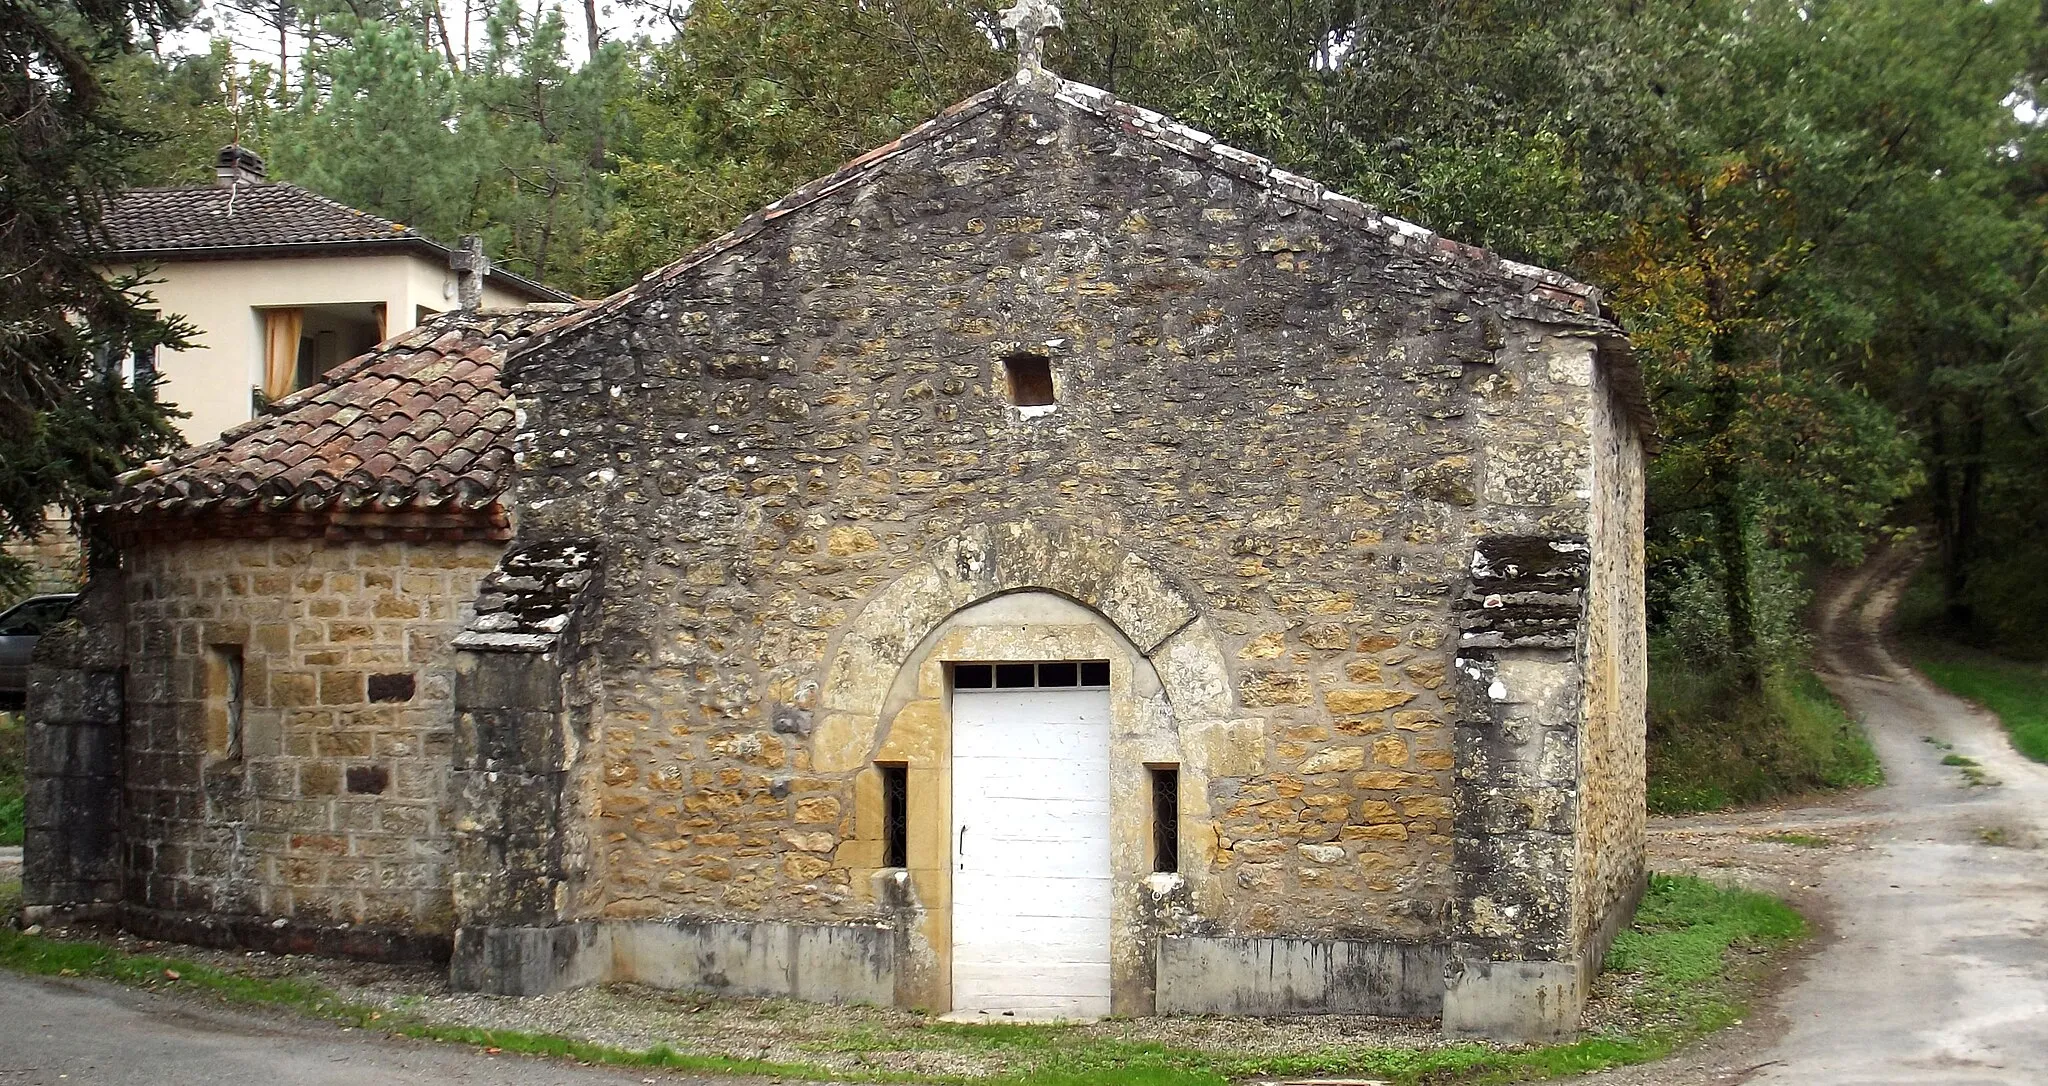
(1939, 972)
(78, 1033)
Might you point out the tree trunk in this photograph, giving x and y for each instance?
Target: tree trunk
(447, 42)
(590, 25)
(1957, 483)
(1731, 534)
(1969, 497)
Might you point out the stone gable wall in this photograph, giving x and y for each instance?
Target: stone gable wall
(1299, 426)
(335, 815)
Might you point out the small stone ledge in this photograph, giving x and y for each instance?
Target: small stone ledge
(1524, 592)
(527, 603)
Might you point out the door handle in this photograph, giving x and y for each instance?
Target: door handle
(961, 848)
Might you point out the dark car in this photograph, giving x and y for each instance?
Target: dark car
(20, 627)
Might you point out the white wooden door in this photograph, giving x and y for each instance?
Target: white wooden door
(1031, 852)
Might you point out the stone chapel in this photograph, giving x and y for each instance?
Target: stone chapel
(1057, 565)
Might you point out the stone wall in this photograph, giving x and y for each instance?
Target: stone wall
(798, 455)
(331, 810)
(1610, 867)
(56, 558)
(71, 842)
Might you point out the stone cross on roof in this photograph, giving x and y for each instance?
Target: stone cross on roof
(1033, 20)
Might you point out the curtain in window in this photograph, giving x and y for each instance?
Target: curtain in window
(281, 330)
(383, 323)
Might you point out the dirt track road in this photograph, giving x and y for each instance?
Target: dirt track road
(1934, 967)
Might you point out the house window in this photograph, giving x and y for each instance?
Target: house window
(1165, 817)
(224, 697)
(1030, 380)
(895, 813)
(141, 366)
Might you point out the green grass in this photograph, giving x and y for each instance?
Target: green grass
(13, 751)
(1803, 840)
(1686, 936)
(1713, 746)
(2016, 691)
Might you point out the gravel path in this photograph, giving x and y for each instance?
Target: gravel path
(1933, 892)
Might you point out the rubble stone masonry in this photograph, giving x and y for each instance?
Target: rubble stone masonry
(802, 452)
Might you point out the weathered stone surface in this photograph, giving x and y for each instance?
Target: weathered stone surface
(1206, 975)
(1319, 486)
(219, 843)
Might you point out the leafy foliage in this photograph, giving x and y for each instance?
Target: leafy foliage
(1828, 248)
(68, 424)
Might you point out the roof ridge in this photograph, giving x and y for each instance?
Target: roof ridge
(1305, 191)
(1552, 290)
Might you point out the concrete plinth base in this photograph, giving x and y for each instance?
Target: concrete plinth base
(1262, 976)
(530, 961)
(827, 963)
(1512, 1001)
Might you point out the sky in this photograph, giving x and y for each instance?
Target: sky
(254, 41)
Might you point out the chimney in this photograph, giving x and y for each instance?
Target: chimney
(237, 165)
(471, 265)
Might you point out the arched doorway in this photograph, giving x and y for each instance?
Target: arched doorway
(1027, 594)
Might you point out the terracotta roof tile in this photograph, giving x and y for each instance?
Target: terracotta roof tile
(373, 435)
(197, 221)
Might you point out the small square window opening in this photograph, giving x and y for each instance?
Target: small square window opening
(1030, 379)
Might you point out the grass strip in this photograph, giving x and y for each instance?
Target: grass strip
(2016, 691)
(1714, 744)
(1685, 935)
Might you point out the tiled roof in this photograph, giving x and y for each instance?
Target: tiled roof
(202, 221)
(417, 424)
(213, 216)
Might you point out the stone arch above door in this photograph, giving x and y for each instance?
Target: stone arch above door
(1165, 627)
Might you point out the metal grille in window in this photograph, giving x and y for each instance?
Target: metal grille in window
(1165, 818)
(895, 815)
(1051, 674)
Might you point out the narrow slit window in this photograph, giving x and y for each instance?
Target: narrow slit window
(1165, 818)
(973, 676)
(895, 814)
(1014, 676)
(225, 685)
(1095, 673)
(1030, 379)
